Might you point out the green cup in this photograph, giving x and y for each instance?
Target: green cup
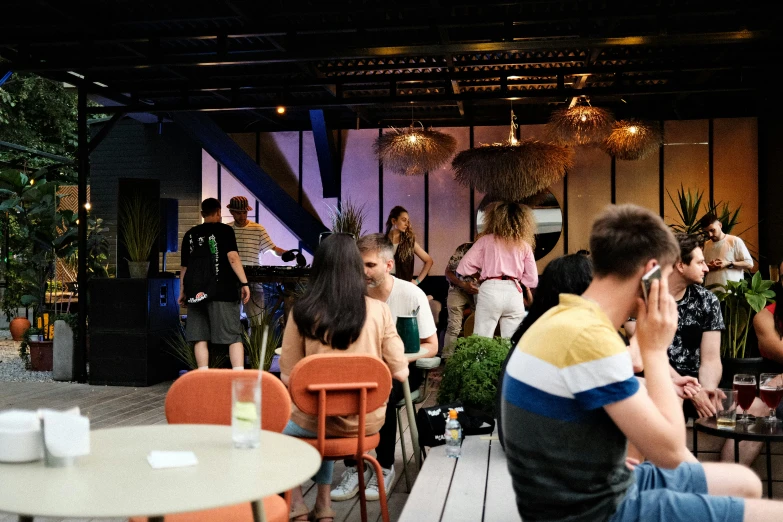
(408, 329)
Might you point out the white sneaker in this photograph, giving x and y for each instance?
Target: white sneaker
(372, 488)
(349, 484)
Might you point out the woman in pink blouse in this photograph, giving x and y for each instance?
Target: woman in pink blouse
(504, 258)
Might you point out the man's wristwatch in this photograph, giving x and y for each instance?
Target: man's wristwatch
(244, 284)
(730, 265)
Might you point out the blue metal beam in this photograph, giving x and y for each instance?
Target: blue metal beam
(220, 146)
(325, 149)
(4, 75)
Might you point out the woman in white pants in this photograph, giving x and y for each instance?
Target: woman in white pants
(504, 257)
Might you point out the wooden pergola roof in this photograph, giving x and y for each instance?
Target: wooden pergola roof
(382, 62)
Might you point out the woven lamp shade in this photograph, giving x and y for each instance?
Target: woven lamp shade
(633, 139)
(512, 172)
(579, 125)
(414, 151)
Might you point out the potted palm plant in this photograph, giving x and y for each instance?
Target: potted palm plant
(348, 218)
(740, 301)
(139, 225)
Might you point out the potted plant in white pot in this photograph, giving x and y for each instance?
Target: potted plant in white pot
(139, 226)
(740, 301)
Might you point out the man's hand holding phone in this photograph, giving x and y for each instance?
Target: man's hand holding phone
(656, 319)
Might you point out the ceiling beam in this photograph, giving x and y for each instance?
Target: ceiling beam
(73, 62)
(444, 97)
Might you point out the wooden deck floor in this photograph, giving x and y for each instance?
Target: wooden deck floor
(109, 406)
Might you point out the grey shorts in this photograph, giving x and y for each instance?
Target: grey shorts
(673, 495)
(215, 321)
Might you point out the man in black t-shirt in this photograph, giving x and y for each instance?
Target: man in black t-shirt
(215, 280)
(695, 349)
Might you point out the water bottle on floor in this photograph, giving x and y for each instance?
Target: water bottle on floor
(453, 435)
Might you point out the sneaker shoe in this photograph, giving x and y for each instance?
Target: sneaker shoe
(372, 488)
(349, 484)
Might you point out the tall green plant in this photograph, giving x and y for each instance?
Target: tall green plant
(687, 207)
(348, 218)
(139, 221)
(44, 233)
(724, 214)
(740, 301)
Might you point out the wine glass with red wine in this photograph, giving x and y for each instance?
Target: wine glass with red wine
(745, 390)
(771, 391)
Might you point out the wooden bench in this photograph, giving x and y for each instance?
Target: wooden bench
(474, 487)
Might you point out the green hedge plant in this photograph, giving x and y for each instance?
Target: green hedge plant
(471, 374)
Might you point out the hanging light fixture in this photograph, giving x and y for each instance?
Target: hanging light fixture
(414, 151)
(514, 169)
(633, 139)
(581, 124)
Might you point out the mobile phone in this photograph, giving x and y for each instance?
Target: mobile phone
(648, 278)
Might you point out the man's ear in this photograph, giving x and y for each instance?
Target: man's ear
(649, 265)
(389, 265)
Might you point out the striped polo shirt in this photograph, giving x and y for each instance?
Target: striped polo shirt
(252, 242)
(565, 454)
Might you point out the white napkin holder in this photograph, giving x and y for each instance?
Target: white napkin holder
(65, 436)
(20, 436)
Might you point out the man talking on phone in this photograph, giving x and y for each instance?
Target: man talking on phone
(570, 378)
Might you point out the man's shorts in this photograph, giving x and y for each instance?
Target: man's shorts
(674, 495)
(215, 321)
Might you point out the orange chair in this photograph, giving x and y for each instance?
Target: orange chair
(204, 397)
(328, 385)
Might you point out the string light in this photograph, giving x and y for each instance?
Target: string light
(281, 110)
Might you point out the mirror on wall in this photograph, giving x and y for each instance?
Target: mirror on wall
(548, 216)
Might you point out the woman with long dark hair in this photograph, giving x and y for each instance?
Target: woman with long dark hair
(400, 233)
(503, 260)
(334, 314)
(569, 274)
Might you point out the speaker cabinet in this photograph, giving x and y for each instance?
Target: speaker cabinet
(169, 225)
(130, 320)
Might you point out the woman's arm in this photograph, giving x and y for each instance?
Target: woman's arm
(426, 259)
(770, 344)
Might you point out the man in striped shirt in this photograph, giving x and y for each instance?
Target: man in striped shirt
(571, 402)
(252, 241)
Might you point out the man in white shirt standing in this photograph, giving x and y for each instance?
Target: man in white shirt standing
(403, 297)
(252, 241)
(726, 255)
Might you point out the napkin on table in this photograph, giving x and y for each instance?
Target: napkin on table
(171, 459)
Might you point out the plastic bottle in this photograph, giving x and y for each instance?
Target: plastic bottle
(453, 435)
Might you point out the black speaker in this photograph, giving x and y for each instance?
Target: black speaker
(134, 304)
(129, 322)
(125, 358)
(169, 225)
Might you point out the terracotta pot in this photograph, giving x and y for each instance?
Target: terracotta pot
(41, 355)
(18, 327)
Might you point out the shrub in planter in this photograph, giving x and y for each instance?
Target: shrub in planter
(471, 374)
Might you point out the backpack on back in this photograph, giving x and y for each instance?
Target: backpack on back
(201, 276)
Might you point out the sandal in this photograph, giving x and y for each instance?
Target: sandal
(320, 514)
(299, 512)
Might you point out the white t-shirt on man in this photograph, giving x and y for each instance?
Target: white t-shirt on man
(404, 298)
(730, 249)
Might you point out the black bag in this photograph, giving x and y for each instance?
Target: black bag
(201, 275)
(431, 422)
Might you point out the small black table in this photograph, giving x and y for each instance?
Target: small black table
(756, 430)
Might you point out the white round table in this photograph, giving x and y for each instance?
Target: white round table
(115, 479)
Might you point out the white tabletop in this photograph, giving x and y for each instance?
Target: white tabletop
(115, 479)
